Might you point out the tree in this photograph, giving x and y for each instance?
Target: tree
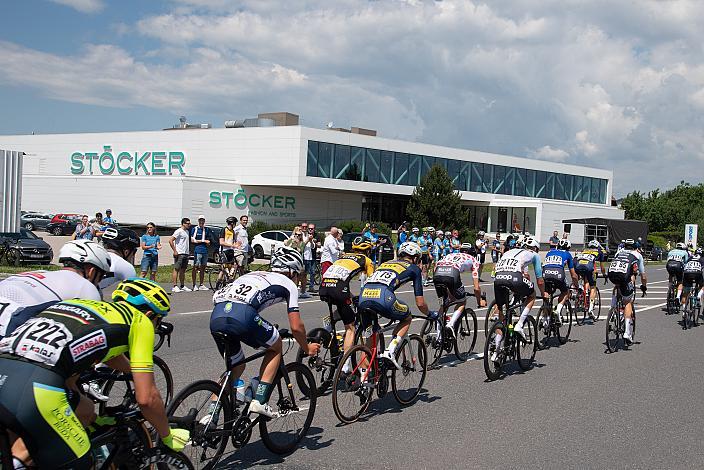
(436, 202)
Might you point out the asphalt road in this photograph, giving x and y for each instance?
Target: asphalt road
(580, 407)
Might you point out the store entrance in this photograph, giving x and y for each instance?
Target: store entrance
(390, 209)
(503, 219)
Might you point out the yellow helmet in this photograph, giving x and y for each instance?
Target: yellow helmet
(143, 294)
(361, 244)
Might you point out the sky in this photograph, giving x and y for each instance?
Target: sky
(609, 84)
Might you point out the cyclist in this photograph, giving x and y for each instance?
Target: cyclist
(378, 294)
(24, 295)
(693, 277)
(624, 268)
(585, 266)
(447, 278)
(676, 259)
(425, 241)
(42, 359)
(512, 276)
(227, 240)
(122, 244)
(237, 313)
(554, 273)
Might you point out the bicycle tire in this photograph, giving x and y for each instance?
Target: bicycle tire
(288, 403)
(545, 311)
(525, 356)
(670, 306)
(344, 385)
(213, 275)
(580, 310)
(489, 317)
(613, 330)
(126, 458)
(431, 340)
(597, 305)
(565, 327)
(323, 365)
(176, 460)
(412, 359)
(491, 368)
(165, 385)
(465, 327)
(201, 438)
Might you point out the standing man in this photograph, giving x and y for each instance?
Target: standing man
(554, 240)
(83, 230)
(151, 244)
(455, 241)
(373, 237)
(425, 242)
(496, 248)
(200, 237)
(402, 236)
(98, 225)
(108, 218)
(180, 245)
(304, 274)
(310, 255)
(481, 251)
(331, 250)
(242, 240)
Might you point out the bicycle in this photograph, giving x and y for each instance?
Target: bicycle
(227, 270)
(224, 420)
(581, 302)
(492, 311)
(551, 327)
(692, 310)
(512, 346)
(616, 322)
(673, 303)
(11, 254)
(368, 372)
(439, 337)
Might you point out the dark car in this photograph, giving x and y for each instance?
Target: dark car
(63, 226)
(35, 220)
(387, 249)
(25, 247)
(214, 246)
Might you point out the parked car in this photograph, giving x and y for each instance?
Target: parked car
(25, 247)
(35, 220)
(63, 224)
(264, 243)
(387, 249)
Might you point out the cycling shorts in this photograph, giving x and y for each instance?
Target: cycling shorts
(242, 324)
(624, 284)
(339, 295)
(447, 279)
(554, 279)
(692, 278)
(675, 269)
(424, 259)
(380, 300)
(585, 272)
(507, 282)
(34, 404)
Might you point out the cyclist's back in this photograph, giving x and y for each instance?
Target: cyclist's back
(676, 259)
(585, 262)
(335, 285)
(554, 268)
(623, 267)
(379, 291)
(693, 271)
(448, 270)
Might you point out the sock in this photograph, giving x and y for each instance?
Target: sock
(679, 293)
(497, 340)
(392, 345)
(17, 463)
(263, 392)
(591, 305)
(455, 317)
(629, 327)
(522, 319)
(347, 366)
(559, 309)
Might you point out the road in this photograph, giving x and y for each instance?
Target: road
(578, 408)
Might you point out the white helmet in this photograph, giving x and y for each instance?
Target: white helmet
(86, 252)
(531, 242)
(481, 233)
(409, 249)
(439, 232)
(415, 230)
(565, 244)
(594, 244)
(681, 246)
(285, 259)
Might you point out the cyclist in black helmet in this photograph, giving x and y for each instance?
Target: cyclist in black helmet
(122, 244)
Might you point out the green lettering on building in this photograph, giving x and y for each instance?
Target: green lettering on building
(108, 162)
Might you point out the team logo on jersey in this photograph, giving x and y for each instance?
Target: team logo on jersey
(86, 345)
(228, 307)
(75, 310)
(371, 293)
(503, 277)
(264, 296)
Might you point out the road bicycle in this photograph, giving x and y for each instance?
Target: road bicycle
(438, 335)
(11, 254)
(692, 310)
(226, 270)
(548, 322)
(492, 311)
(581, 297)
(512, 345)
(673, 302)
(368, 372)
(213, 414)
(616, 322)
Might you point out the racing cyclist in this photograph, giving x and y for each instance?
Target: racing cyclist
(379, 296)
(24, 295)
(237, 314)
(512, 276)
(122, 244)
(43, 358)
(624, 268)
(447, 279)
(554, 274)
(693, 278)
(676, 259)
(335, 285)
(585, 266)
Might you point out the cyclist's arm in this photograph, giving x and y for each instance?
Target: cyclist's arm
(120, 363)
(538, 268)
(150, 402)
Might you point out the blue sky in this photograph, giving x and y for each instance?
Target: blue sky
(612, 84)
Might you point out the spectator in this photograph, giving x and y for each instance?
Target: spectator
(554, 240)
(304, 274)
(481, 251)
(455, 241)
(200, 237)
(496, 248)
(331, 251)
(108, 218)
(181, 248)
(98, 225)
(151, 244)
(402, 236)
(83, 230)
(242, 240)
(227, 241)
(340, 241)
(310, 257)
(373, 237)
(295, 241)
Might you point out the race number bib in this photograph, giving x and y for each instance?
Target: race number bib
(337, 272)
(553, 260)
(676, 257)
(693, 266)
(509, 264)
(382, 277)
(38, 340)
(618, 266)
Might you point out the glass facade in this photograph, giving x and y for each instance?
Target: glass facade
(326, 160)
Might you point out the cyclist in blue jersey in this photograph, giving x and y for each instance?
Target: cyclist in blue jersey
(379, 297)
(585, 264)
(556, 260)
(373, 237)
(440, 246)
(415, 235)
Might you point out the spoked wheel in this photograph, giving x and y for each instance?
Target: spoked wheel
(544, 333)
(597, 305)
(670, 306)
(580, 310)
(353, 388)
(526, 349)
(190, 410)
(465, 334)
(493, 367)
(429, 334)
(613, 330)
(565, 327)
(407, 381)
(213, 281)
(492, 315)
(294, 408)
(323, 365)
(121, 392)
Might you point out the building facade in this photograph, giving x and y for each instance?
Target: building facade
(294, 173)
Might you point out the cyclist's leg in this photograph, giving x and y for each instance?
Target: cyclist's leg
(524, 288)
(627, 290)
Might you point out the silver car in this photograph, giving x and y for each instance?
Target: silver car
(35, 220)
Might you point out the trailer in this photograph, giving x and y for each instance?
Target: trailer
(610, 232)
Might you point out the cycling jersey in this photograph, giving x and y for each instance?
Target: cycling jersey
(512, 274)
(554, 269)
(678, 255)
(447, 274)
(586, 260)
(335, 286)
(414, 238)
(556, 258)
(394, 274)
(692, 274)
(621, 270)
(425, 243)
(260, 290)
(441, 247)
(462, 262)
(120, 270)
(518, 260)
(30, 289)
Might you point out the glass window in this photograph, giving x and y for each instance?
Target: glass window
(560, 186)
(488, 178)
(499, 174)
(269, 235)
(453, 169)
(372, 162)
(400, 168)
(428, 163)
(530, 183)
(342, 161)
(442, 162)
(519, 186)
(595, 190)
(602, 191)
(540, 179)
(508, 181)
(586, 189)
(312, 162)
(577, 188)
(325, 153)
(462, 183)
(476, 183)
(414, 164)
(356, 168)
(387, 164)
(549, 185)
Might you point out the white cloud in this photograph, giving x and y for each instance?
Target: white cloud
(548, 153)
(83, 6)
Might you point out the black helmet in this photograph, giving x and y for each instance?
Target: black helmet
(231, 220)
(120, 239)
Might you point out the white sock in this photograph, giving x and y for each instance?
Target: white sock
(522, 319)
(392, 345)
(497, 340)
(347, 365)
(559, 309)
(591, 305)
(455, 317)
(679, 293)
(629, 327)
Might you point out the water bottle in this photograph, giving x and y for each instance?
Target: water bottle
(240, 390)
(251, 391)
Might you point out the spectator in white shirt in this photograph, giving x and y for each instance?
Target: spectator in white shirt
(180, 246)
(331, 250)
(242, 240)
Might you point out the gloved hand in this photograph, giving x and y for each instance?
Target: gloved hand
(433, 315)
(177, 439)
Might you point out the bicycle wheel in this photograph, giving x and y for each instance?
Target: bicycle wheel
(128, 452)
(492, 315)
(580, 310)
(545, 314)
(613, 330)
(597, 305)
(565, 327)
(429, 334)
(493, 368)
(526, 349)
(188, 408)
(296, 410)
(167, 459)
(122, 392)
(407, 382)
(465, 334)
(323, 365)
(351, 395)
(670, 306)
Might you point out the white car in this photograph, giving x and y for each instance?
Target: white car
(264, 243)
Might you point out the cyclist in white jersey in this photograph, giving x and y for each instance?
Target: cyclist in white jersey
(24, 295)
(122, 245)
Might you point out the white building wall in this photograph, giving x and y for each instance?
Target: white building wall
(554, 213)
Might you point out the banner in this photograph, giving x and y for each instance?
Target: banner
(690, 234)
